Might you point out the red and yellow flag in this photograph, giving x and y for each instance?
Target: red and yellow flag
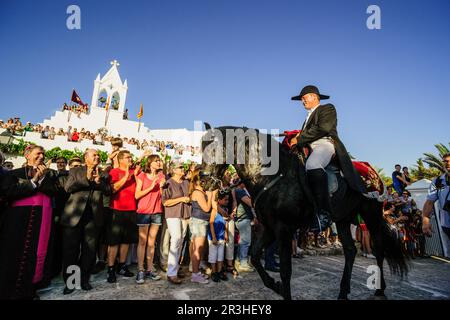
(107, 104)
(141, 112)
(107, 111)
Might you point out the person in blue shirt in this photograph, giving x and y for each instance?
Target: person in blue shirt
(217, 236)
(397, 179)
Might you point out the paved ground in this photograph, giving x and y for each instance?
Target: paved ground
(314, 277)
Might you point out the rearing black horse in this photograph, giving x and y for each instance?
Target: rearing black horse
(284, 205)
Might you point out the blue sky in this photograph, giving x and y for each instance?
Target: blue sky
(233, 62)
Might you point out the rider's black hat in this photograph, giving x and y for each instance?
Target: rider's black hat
(310, 89)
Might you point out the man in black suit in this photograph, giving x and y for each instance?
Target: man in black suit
(319, 134)
(61, 198)
(83, 217)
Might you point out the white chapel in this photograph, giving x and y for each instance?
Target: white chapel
(110, 88)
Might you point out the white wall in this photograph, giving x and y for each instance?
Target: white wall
(125, 128)
(18, 161)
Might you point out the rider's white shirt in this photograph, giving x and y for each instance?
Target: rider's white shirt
(310, 111)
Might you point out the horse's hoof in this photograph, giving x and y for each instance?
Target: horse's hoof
(342, 297)
(379, 295)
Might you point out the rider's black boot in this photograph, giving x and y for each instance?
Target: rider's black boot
(318, 182)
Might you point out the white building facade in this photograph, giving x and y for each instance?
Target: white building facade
(111, 88)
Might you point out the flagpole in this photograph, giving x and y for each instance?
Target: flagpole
(139, 116)
(70, 108)
(106, 117)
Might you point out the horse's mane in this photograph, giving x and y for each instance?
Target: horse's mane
(284, 152)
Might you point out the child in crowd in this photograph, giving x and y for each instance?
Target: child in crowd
(116, 144)
(217, 236)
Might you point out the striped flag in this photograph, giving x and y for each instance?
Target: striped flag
(107, 110)
(141, 112)
(139, 116)
(107, 104)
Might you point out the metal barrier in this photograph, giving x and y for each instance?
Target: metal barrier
(434, 244)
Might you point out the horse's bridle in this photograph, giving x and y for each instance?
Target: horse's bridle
(217, 180)
(267, 187)
(260, 193)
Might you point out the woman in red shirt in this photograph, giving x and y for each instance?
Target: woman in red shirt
(149, 214)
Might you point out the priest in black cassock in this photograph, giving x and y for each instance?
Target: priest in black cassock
(26, 226)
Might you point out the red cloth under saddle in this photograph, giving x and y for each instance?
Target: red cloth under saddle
(368, 174)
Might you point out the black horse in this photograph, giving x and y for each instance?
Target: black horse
(283, 204)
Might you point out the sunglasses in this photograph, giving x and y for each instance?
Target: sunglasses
(224, 191)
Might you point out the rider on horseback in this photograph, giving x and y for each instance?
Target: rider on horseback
(319, 135)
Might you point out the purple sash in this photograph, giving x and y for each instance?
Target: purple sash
(44, 201)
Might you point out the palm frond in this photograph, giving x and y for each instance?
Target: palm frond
(434, 161)
(419, 171)
(435, 166)
(441, 148)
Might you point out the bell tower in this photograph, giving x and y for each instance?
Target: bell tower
(110, 87)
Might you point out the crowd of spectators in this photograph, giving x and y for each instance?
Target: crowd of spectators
(100, 211)
(401, 212)
(170, 215)
(76, 108)
(99, 137)
(403, 216)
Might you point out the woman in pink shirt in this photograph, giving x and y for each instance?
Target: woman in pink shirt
(149, 214)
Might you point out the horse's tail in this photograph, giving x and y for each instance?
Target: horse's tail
(387, 240)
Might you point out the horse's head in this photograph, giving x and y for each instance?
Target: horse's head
(211, 148)
(252, 152)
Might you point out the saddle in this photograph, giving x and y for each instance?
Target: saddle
(332, 169)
